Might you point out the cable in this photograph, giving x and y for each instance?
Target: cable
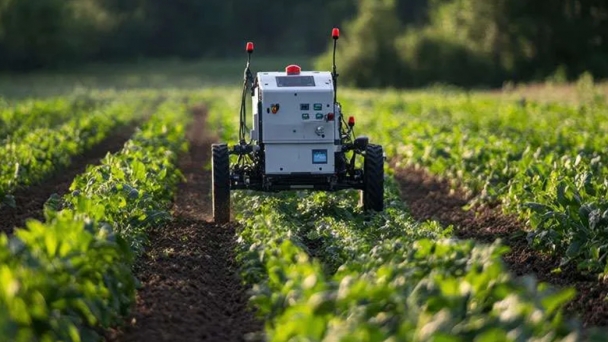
(248, 79)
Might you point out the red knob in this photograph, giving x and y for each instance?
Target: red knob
(351, 121)
(249, 47)
(335, 33)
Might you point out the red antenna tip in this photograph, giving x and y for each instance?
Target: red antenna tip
(351, 121)
(335, 33)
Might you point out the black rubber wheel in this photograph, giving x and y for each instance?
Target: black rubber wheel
(220, 174)
(372, 196)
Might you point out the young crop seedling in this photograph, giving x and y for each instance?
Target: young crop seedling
(300, 140)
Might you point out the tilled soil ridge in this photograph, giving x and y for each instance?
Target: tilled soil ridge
(30, 200)
(191, 290)
(430, 198)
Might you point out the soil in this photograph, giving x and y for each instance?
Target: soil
(30, 200)
(431, 198)
(191, 289)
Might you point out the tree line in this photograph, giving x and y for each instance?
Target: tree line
(58, 33)
(385, 43)
(472, 42)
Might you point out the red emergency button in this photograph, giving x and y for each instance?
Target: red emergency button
(293, 69)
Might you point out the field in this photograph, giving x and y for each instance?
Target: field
(495, 225)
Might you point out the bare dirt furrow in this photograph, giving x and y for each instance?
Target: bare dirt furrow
(430, 198)
(30, 200)
(191, 290)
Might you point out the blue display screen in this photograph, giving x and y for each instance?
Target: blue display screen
(319, 156)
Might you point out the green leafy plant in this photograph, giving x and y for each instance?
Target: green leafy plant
(321, 270)
(28, 158)
(543, 162)
(70, 276)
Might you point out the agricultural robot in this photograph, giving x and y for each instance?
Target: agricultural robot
(299, 140)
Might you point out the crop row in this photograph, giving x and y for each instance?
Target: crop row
(69, 277)
(42, 151)
(385, 278)
(19, 118)
(545, 163)
(322, 270)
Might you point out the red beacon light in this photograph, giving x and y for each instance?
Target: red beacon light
(335, 33)
(249, 47)
(351, 121)
(293, 69)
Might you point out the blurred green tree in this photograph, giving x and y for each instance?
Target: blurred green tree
(386, 43)
(474, 42)
(366, 52)
(38, 33)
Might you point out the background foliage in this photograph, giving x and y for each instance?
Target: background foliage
(396, 43)
(473, 42)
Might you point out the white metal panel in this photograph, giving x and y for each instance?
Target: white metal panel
(289, 123)
(255, 131)
(323, 81)
(288, 158)
(299, 107)
(294, 132)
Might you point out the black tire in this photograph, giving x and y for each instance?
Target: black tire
(220, 174)
(372, 196)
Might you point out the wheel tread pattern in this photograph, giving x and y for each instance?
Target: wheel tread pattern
(221, 183)
(373, 174)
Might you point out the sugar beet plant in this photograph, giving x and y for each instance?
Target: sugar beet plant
(322, 270)
(19, 118)
(35, 155)
(65, 279)
(544, 162)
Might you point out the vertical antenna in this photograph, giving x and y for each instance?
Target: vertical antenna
(335, 34)
(247, 83)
